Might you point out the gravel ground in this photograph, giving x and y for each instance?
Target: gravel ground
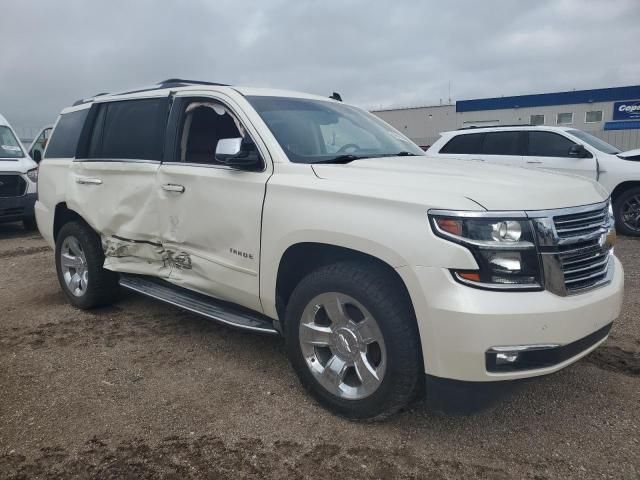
(144, 390)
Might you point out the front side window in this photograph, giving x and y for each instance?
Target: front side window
(64, 138)
(9, 144)
(311, 131)
(564, 119)
(130, 129)
(536, 120)
(548, 144)
(593, 116)
(501, 143)
(204, 123)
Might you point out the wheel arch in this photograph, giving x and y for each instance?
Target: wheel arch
(63, 215)
(301, 258)
(623, 187)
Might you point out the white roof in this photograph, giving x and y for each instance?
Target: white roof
(498, 128)
(3, 121)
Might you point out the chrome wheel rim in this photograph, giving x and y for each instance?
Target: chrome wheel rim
(631, 213)
(343, 346)
(73, 263)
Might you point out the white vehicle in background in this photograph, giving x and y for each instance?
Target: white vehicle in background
(563, 149)
(18, 179)
(39, 144)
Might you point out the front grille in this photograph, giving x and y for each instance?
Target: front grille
(583, 223)
(12, 186)
(584, 266)
(11, 212)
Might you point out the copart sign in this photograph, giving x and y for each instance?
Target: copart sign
(629, 110)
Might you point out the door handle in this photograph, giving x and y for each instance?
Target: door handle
(171, 187)
(88, 181)
(533, 161)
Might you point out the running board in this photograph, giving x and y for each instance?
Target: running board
(218, 310)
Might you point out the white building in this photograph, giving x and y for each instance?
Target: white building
(612, 114)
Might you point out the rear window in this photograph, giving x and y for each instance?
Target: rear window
(131, 129)
(501, 143)
(470, 143)
(64, 139)
(9, 144)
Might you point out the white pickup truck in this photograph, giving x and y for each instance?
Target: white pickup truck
(293, 214)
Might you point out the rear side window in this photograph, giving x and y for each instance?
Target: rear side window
(131, 129)
(466, 144)
(501, 143)
(64, 140)
(547, 144)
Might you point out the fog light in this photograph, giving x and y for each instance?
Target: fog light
(505, 358)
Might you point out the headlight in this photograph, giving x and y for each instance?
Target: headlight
(503, 247)
(33, 175)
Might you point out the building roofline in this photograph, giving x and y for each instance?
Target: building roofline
(549, 99)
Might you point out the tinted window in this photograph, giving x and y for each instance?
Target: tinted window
(547, 144)
(64, 140)
(501, 143)
(465, 144)
(132, 129)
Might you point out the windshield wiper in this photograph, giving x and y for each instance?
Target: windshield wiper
(340, 159)
(405, 154)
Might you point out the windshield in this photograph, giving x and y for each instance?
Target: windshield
(595, 142)
(9, 145)
(313, 131)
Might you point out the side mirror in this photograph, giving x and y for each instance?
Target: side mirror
(238, 152)
(579, 151)
(36, 155)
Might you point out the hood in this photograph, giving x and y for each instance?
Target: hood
(630, 154)
(494, 187)
(20, 165)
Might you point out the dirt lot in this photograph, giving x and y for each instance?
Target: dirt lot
(143, 390)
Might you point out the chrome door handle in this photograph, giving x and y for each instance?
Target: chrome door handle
(88, 181)
(170, 187)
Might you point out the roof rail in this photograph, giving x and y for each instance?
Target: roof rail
(499, 126)
(169, 83)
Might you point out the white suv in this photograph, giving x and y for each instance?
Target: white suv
(292, 214)
(562, 149)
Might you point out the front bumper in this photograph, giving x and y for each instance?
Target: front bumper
(13, 209)
(458, 325)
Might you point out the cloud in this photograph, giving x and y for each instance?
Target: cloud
(374, 54)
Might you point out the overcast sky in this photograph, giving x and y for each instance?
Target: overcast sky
(392, 53)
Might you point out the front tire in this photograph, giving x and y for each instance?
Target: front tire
(79, 260)
(353, 341)
(29, 223)
(626, 210)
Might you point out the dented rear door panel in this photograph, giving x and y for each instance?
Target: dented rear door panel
(119, 200)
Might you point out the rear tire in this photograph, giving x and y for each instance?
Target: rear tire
(626, 210)
(391, 349)
(79, 261)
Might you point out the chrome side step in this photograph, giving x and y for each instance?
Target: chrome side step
(218, 310)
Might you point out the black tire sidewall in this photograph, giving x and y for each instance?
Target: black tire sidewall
(617, 212)
(402, 374)
(101, 284)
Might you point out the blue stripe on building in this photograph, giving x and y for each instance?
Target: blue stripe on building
(550, 99)
(622, 125)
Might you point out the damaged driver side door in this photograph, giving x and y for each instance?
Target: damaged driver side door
(210, 212)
